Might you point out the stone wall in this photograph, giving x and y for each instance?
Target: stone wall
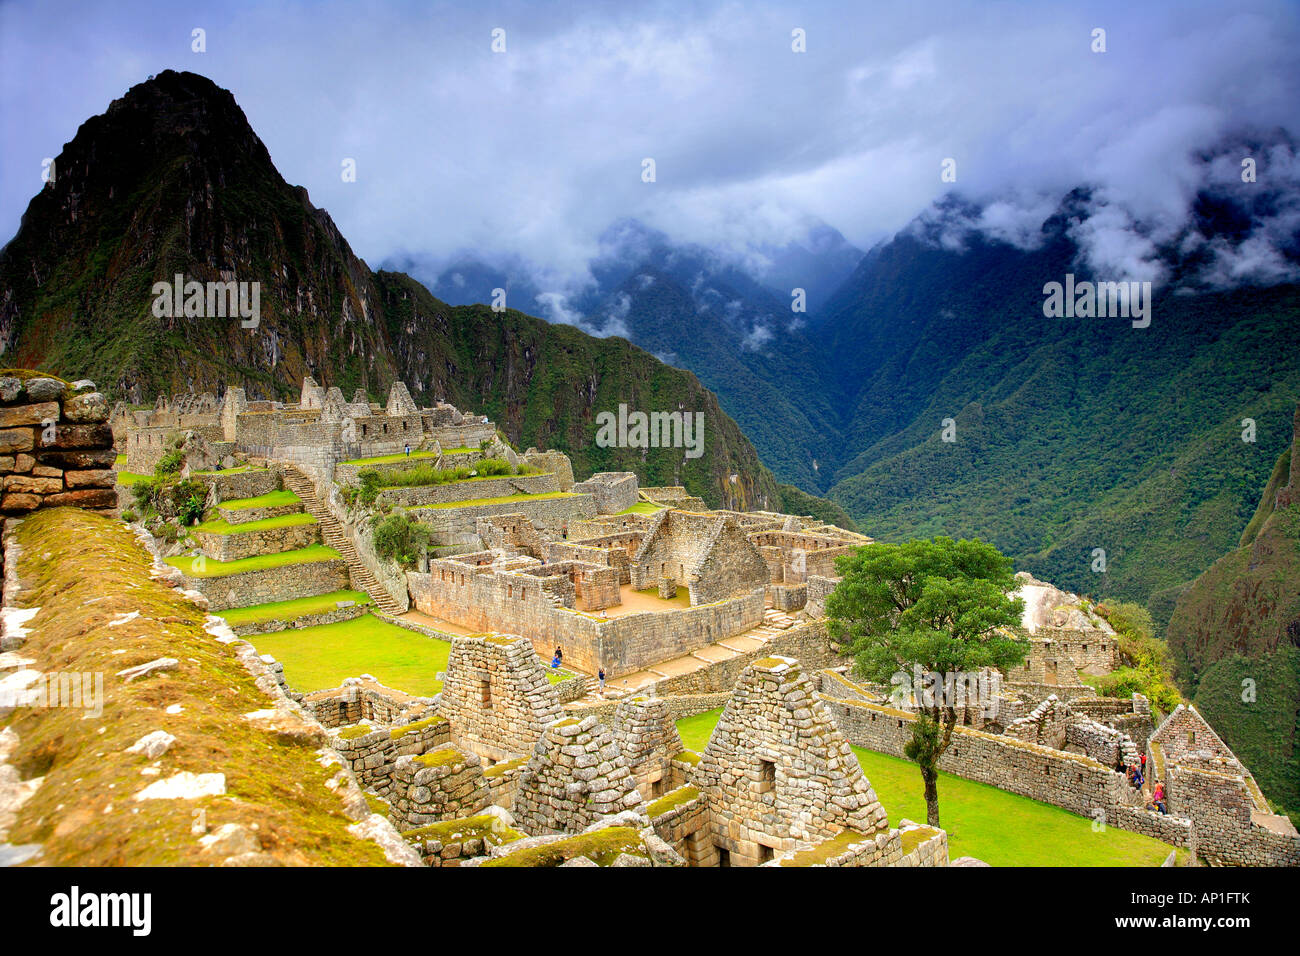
(374, 754)
(576, 775)
(548, 514)
(485, 599)
(440, 784)
(250, 544)
(56, 447)
(1076, 783)
(613, 491)
(229, 486)
(648, 739)
(271, 584)
(778, 770)
(470, 489)
(496, 695)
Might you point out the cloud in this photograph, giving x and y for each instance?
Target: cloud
(532, 153)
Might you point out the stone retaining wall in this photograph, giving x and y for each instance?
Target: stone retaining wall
(305, 620)
(453, 491)
(271, 584)
(375, 754)
(249, 544)
(229, 486)
(549, 514)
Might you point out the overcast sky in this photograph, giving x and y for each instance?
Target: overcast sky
(535, 151)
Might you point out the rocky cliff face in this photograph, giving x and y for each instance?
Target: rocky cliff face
(172, 180)
(1235, 635)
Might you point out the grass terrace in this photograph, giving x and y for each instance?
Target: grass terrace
(288, 610)
(643, 508)
(1000, 828)
(240, 470)
(315, 658)
(129, 478)
(221, 526)
(272, 499)
(420, 476)
(508, 499)
(190, 564)
(391, 459)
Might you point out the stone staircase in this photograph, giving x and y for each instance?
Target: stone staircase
(333, 536)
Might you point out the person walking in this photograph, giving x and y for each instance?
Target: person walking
(601, 677)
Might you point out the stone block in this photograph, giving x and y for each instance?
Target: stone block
(29, 414)
(17, 439)
(99, 478)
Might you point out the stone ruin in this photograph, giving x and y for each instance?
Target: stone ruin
(499, 769)
(777, 771)
(576, 775)
(496, 696)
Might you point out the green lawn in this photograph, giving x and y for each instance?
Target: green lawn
(119, 461)
(322, 656)
(473, 502)
(287, 610)
(129, 478)
(1000, 828)
(216, 569)
(643, 508)
(389, 459)
(221, 526)
(272, 499)
(242, 469)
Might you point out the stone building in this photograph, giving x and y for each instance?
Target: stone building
(708, 554)
(777, 771)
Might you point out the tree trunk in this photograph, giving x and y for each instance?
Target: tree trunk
(931, 777)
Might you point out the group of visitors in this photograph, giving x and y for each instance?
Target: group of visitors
(1135, 774)
(558, 660)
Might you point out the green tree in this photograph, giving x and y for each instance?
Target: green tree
(939, 605)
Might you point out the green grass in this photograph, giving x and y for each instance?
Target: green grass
(390, 459)
(272, 499)
(643, 508)
(221, 526)
(242, 469)
(508, 499)
(129, 478)
(287, 610)
(120, 461)
(1000, 828)
(217, 569)
(322, 656)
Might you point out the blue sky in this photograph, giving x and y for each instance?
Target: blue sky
(534, 151)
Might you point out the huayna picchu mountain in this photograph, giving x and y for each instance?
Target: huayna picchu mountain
(1235, 636)
(172, 180)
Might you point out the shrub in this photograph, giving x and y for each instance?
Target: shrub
(191, 510)
(1144, 658)
(368, 487)
(400, 539)
(128, 516)
(170, 463)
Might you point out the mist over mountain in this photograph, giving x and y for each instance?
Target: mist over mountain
(171, 179)
(1071, 434)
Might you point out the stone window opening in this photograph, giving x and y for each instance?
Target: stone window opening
(485, 687)
(766, 775)
(724, 856)
(765, 853)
